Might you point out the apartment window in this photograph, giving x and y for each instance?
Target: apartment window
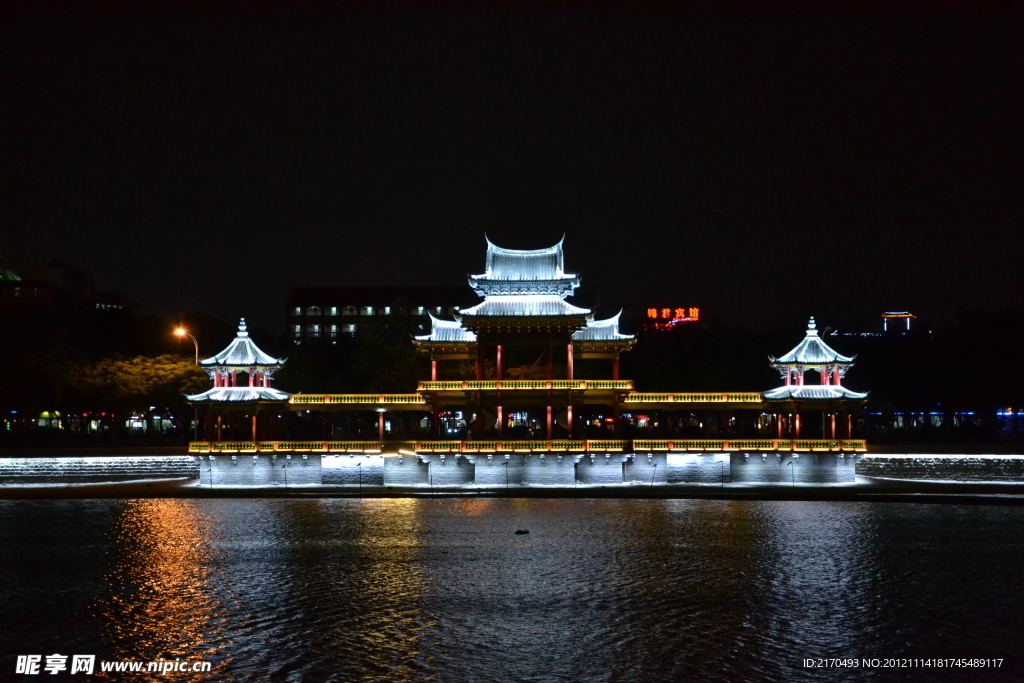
(313, 310)
(333, 330)
(420, 310)
(333, 310)
(313, 331)
(297, 310)
(349, 329)
(297, 331)
(366, 310)
(387, 310)
(349, 310)
(438, 309)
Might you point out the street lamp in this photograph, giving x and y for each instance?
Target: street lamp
(182, 333)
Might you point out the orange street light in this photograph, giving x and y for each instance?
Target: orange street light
(182, 333)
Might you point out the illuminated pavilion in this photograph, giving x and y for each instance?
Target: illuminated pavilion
(524, 425)
(229, 399)
(828, 395)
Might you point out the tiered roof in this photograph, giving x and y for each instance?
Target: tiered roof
(812, 351)
(511, 272)
(524, 291)
(241, 353)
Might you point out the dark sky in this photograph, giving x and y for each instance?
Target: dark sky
(762, 166)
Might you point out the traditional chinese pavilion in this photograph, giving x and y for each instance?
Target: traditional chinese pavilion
(229, 398)
(813, 355)
(526, 417)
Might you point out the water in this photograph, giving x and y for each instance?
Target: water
(444, 590)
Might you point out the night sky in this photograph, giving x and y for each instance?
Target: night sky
(762, 166)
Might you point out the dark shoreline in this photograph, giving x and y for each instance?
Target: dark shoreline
(865, 490)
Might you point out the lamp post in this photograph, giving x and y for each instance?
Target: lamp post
(180, 332)
(792, 472)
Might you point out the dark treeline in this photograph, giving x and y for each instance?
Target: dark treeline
(112, 365)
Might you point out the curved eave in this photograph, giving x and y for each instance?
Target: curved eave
(813, 392)
(847, 361)
(234, 395)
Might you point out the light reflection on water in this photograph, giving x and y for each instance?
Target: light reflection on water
(599, 590)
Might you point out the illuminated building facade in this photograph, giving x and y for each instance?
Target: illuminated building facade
(526, 417)
(321, 316)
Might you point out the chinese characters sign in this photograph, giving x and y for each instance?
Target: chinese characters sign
(667, 317)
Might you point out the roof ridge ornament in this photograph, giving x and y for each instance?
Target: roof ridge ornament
(812, 328)
(243, 330)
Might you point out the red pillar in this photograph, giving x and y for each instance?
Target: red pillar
(254, 427)
(615, 368)
(568, 374)
(778, 426)
(220, 427)
(252, 371)
(433, 370)
(798, 425)
(380, 426)
(789, 376)
(849, 426)
(501, 420)
(549, 424)
(835, 376)
(568, 419)
(833, 426)
(500, 366)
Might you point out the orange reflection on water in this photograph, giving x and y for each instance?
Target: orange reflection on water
(161, 603)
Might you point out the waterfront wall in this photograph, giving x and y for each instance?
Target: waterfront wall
(244, 469)
(698, 469)
(806, 468)
(78, 470)
(353, 470)
(525, 470)
(594, 469)
(943, 467)
(601, 469)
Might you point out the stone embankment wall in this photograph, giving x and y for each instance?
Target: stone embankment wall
(95, 469)
(244, 469)
(943, 467)
(803, 468)
(597, 469)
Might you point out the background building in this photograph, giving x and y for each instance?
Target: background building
(320, 315)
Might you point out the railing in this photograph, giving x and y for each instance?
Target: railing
(527, 384)
(750, 445)
(593, 446)
(736, 397)
(366, 399)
